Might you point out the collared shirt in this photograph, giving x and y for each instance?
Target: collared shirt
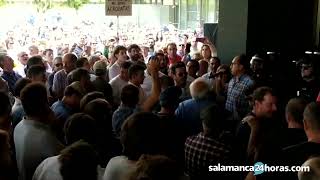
(236, 98)
(114, 70)
(11, 78)
(202, 151)
(41, 144)
(188, 115)
(59, 82)
(117, 84)
(120, 115)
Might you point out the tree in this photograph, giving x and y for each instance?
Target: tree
(3, 2)
(76, 4)
(43, 5)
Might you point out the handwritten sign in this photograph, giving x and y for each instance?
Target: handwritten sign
(118, 7)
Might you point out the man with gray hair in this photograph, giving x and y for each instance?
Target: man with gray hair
(188, 112)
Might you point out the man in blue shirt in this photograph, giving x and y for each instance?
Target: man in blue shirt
(188, 112)
(237, 103)
(6, 63)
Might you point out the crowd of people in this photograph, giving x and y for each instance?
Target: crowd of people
(153, 111)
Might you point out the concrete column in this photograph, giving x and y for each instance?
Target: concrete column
(232, 29)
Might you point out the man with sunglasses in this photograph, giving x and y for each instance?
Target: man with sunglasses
(57, 66)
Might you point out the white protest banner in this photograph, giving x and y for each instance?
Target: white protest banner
(118, 7)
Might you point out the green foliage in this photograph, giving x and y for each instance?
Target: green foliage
(76, 4)
(43, 5)
(3, 2)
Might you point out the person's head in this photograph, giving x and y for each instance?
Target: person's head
(133, 52)
(35, 60)
(20, 84)
(206, 52)
(83, 63)
(73, 94)
(214, 64)
(5, 111)
(264, 102)
(78, 161)
(163, 60)
(213, 118)
(203, 67)
(199, 89)
(142, 133)
(81, 75)
(124, 68)
(179, 73)
(37, 73)
(100, 110)
(129, 95)
(35, 101)
(33, 50)
(69, 62)
(120, 53)
(169, 98)
(89, 97)
(294, 111)
(93, 59)
(311, 120)
(57, 64)
(307, 70)
(172, 49)
(223, 72)
(100, 68)
(313, 164)
(239, 65)
(166, 81)
(151, 43)
(192, 68)
(136, 74)
(48, 55)
(6, 63)
(23, 58)
(80, 126)
(257, 63)
(156, 167)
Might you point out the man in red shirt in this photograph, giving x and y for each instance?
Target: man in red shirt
(172, 53)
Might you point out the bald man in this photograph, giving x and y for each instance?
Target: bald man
(60, 78)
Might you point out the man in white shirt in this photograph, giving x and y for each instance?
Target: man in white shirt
(147, 83)
(33, 139)
(121, 56)
(118, 82)
(21, 65)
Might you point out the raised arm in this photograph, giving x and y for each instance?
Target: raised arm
(153, 68)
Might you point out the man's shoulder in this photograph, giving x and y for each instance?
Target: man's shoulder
(62, 72)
